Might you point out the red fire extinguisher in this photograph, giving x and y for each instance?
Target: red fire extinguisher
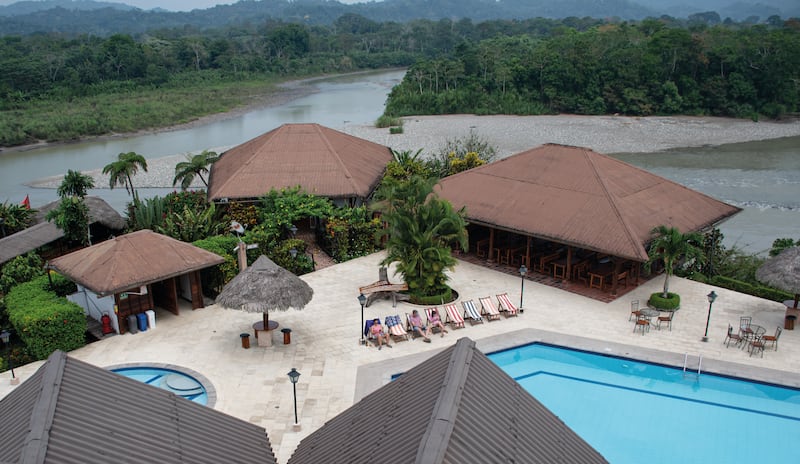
(106, 321)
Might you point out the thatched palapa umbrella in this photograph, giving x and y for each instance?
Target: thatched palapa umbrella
(783, 272)
(265, 287)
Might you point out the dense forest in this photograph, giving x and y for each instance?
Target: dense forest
(61, 88)
(647, 68)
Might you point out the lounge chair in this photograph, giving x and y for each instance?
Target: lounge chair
(471, 312)
(506, 305)
(368, 333)
(413, 333)
(488, 309)
(428, 312)
(395, 328)
(453, 316)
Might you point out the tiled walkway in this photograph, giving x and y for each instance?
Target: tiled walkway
(252, 384)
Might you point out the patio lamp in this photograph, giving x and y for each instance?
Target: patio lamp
(711, 297)
(523, 271)
(362, 300)
(293, 229)
(5, 335)
(293, 252)
(294, 376)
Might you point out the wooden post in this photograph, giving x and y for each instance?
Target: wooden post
(491, 244)
(241, 254)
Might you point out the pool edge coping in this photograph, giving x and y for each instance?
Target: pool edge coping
(370, 377)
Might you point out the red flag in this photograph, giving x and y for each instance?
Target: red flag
(26, 202)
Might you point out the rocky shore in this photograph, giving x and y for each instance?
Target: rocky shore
(513, 134)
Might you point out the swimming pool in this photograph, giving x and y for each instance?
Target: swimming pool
(635, 412)
(180, 383)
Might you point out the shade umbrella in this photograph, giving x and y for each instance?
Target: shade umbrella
(783, 272)
(265, 287)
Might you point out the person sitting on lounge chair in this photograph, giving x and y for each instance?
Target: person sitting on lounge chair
(434, 321)
(378, 334)
(417, 326)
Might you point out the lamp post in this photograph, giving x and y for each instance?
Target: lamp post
(362, 300)
(523, 271)
(293, 229)
(711, 297)
(293, 252)
(5, 335)
(294, 376)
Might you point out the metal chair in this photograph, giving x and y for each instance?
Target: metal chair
(643, 323)
(732, 336)
(773, 338)
(757, 344)
(666, 319)
(635, 310)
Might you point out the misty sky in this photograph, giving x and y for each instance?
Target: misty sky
(176, 5)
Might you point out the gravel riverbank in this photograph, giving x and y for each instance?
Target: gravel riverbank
(513, 134)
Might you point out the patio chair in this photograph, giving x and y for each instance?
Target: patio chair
(395, 328)
(488, 309)
(731, 337)
(757, 344)
(428, 313)
(642, 323)
(471, 312)
(453, 316)
(773, 338)
(666, 319)
(634, 310)
(506, 306)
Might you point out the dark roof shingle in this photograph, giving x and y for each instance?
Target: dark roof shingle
(456, 407)
(70, 412)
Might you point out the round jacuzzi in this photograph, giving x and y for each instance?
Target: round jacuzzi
(178, 380)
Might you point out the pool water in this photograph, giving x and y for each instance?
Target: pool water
(179, 383)
(634, 412)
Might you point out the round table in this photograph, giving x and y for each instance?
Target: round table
(648, 312)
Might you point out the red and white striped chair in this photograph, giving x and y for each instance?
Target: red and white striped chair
(506, 305)
(454, 317)
(488, 309)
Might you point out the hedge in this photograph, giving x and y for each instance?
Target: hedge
(44, 321)
(761, 291)
(673, 301)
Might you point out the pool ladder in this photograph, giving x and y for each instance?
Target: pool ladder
(686, 365)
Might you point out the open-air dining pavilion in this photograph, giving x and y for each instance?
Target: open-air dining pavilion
(574, 214)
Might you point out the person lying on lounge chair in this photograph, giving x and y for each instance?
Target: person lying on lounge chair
(378, 334)
(417, 326)
(436, 322)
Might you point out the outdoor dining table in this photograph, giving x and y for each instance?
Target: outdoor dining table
(752, 332)
(598, 275)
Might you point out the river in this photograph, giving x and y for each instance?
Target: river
(761, 177)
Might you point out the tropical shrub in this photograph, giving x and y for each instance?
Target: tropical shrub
(20, 269)
(781, 244)
(147, 214)
(422, 228)
(215, 277)
(190, 225)
(14, 218)
(758, 290)
(44, 321)
(350, 233)
(298, 264)
(659, 301)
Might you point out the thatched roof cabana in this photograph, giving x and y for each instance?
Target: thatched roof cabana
(577, 197)
(783, 272)
(320, 160)
(265, 287)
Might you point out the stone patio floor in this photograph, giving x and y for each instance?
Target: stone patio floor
(336, 370)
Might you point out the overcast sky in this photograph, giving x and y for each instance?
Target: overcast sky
(176, 5)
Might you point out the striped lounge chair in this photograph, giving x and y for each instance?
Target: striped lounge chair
(395, 328)
(489, 309)
(506, 305)
(454, 317)
(428, 312)
(471, 312)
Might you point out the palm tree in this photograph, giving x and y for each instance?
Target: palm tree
(120, 171)
(422, 228)
(670, 246)
(75, 184)
(195, 165)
